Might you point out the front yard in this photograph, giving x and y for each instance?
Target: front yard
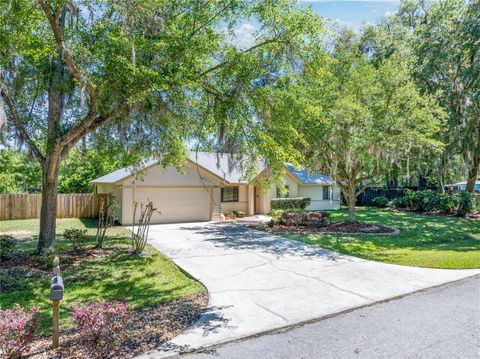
(146, 282)
(423, 241)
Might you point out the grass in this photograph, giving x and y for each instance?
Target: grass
(424, 241)
(112, 274)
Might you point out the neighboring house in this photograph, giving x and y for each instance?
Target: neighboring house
(460, 186)
(209, 187)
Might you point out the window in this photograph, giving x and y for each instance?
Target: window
(283, 194)
(326, 192)
(230, 194)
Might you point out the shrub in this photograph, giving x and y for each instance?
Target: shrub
(236, 213)
(380, 201)
(7, 246)
(400, 202)
(311, 219)
(276, 216)
(17, 330)
(424, 201)
(290, 203)
(466, 202)
(421, 201)
(76, 237)
(445, 203)
(47, 259)
(96, 319)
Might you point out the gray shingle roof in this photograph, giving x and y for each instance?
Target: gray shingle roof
(222, 165)
(306, 177)
(121, 174)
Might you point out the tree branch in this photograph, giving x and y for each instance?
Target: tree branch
(57, 33)
(206, 23)
(222, 64)
(99, 121)
(361, 191)
(21, 128)
(83, 125)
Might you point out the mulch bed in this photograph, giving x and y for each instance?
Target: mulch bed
(145, 330)
(337, 227)
(68, 259)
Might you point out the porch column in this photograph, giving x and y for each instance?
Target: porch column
(250, 200)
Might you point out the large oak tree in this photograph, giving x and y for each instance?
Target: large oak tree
(151, 74)
(357, 117)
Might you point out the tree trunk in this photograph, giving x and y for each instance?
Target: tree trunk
(422, 181)
(441, 186)
(48, 213)
(351, 202)
(472, 175)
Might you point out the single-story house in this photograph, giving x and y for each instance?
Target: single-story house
(208, 187)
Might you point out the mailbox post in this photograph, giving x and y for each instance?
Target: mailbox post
(56, 295)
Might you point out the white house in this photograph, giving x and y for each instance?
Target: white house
(208, 187)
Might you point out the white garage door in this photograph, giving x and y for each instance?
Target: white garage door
(177, 205)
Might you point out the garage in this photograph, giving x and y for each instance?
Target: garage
(175, 204)
(179, 195)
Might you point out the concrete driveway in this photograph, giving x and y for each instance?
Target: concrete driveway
(259, 282)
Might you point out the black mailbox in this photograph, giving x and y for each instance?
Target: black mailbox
(56, 290)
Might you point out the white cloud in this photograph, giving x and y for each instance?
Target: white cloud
(244, 36)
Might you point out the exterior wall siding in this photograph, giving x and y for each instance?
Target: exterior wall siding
(116, 191)
(315, 193)
(170, 176)
(157, 177)
(241, 205)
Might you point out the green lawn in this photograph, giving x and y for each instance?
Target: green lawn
(114, 273)
(424, 241)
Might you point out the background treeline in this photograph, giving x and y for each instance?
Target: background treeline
(20, 173)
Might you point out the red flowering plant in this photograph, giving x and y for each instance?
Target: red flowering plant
(17, 330)
(95, 319)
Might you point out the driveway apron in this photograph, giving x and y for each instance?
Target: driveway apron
(258, 282)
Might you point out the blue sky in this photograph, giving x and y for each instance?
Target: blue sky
(353, 13)
(345, 13)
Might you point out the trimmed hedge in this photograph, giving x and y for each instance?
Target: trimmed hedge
(290, 203)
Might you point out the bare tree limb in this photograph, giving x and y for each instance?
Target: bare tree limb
(18, 123)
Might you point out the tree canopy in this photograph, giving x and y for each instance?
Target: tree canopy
(442, 39)
(151, 74)
(358, 117)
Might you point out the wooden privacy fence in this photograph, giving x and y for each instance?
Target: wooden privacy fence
(69, 205)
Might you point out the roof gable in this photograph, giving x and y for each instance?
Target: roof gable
(222, 165)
